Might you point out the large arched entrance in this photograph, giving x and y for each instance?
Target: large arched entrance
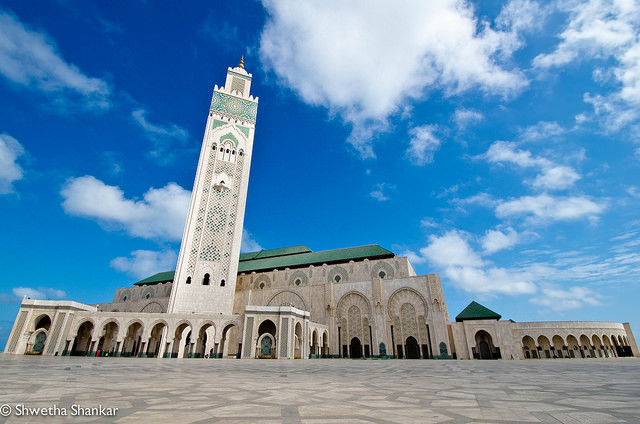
(355, 348)
(230, 342)
(484, 346)
(133, 340)
(412, 348)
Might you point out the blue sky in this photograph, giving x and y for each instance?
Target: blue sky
(494, 143)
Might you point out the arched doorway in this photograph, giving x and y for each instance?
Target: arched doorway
(38, 344)
(82, 342)
(266, 336)
(355, 348)
(484, 346)
(133, 340)
(107, 343)
(297, 354)
(412, 348)
(229, 342)
(155, 338)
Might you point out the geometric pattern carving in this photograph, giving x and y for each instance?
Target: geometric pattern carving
(409, 324)
(354, 319)
(298, 278)
(56, 332)
(16, 336)
(406, 295)
(288, 298)
(385, 268)
(340, 272)
(234, 107)
(284, 337)
(263, 280)
(352, 299)
(248, 334)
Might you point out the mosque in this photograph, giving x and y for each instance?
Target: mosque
(289, 303)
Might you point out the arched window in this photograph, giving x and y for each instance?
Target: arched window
(189, 280)
(222, 283)
(205, 280)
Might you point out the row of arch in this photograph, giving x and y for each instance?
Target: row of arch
(604, 346)
(111, 337)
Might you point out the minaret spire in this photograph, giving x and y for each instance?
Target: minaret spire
(241, 65)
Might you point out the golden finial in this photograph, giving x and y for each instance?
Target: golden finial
(241, 65)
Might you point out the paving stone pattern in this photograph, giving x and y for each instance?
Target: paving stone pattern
(326, 391)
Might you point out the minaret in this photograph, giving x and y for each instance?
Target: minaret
(205, 279)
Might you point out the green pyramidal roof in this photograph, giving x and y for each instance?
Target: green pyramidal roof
(476, 311)
(289, 257)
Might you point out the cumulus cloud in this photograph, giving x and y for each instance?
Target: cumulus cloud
(423, 144)
(545, 207)
(556, 178)
(467, 270)
(144, 263)
(10, 171)
(30, 59)
(552, 176)
(162, 136)
(366, 60)
(39, 293)
(561, 300)
(248, 243)
(543, 130)
(160, 214)
(496, 240)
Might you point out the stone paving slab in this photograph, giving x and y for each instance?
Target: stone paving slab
(199, 391)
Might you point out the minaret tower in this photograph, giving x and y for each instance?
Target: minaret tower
(205, 279)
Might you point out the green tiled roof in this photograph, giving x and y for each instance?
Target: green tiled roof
(289, 257)
(476, 311)
(160, 277)
(258, 263)
(285, 251)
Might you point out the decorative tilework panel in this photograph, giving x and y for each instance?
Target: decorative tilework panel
(355, 323)
(234, 107)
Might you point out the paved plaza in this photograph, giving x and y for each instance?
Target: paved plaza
(324, 391)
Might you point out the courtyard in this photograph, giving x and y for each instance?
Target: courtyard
(323, 390)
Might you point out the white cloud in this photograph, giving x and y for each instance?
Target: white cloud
(496, 240)
(606, 31)
(504, 151)
(381, 190)
(543, 130)
(465, 117)
(545, 207)
(248, 243)
(162, 136)
(556, 178)
(428, 223)
(423, 144)
(481, 199)
(160, 214)
(552, 176)
(366, 60)
(144, 263)
(10, 171)
(466, 269)
(561, 300)
(31, 59)
(39, 293)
